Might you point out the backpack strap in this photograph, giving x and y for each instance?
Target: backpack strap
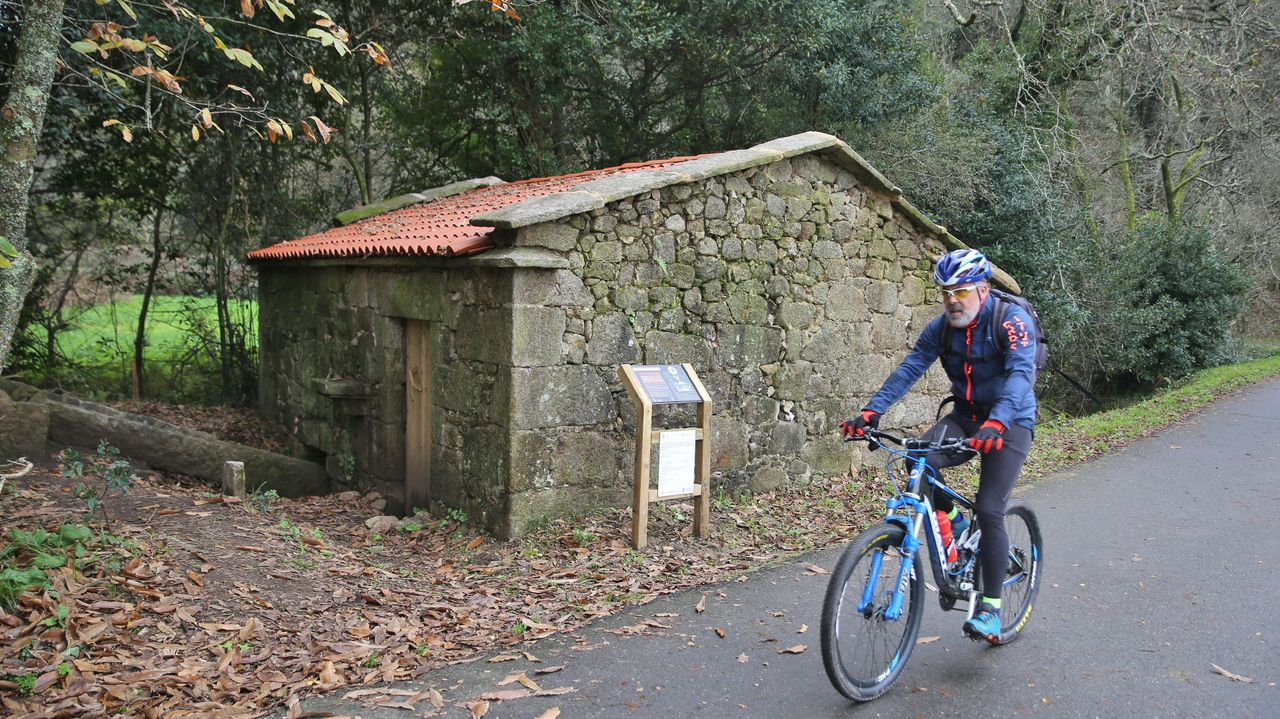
(1000, 313)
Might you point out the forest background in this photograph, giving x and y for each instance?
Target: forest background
(1118, 157)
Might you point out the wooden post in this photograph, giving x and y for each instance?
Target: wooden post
(702, 503)
(417, 424)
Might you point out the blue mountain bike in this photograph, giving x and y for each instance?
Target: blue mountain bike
(875, 600)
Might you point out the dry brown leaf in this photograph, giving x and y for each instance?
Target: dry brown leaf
(815, 568)
(558, 691)
(701, 606)
(549, 670)
(797, 649)
(431, 695)
(927, 640)
(249, 548)
(803, 628)
(506, 695)
(1231, 675)
(551, 713)
(510, 679)
(528, 683)
(503, 658)
(743, 658)
(478, 709)
(720, 632)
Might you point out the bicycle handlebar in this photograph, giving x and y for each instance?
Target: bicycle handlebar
(953, 444)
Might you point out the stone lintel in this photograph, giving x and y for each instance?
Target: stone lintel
(516, 257)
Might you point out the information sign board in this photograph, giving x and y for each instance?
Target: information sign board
(666, 383)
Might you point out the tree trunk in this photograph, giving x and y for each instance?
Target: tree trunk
(21, 122)
(140, 338)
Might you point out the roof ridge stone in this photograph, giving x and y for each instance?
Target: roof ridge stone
(374, 209)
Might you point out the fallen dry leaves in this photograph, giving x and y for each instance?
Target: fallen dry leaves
(231, 612)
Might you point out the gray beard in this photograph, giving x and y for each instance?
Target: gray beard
(964, 320)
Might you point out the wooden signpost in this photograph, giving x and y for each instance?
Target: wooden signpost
(684, 455)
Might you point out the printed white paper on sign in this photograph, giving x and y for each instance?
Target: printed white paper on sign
(675, 462)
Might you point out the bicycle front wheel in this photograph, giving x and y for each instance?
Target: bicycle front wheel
(866, 639)
(1026, 560)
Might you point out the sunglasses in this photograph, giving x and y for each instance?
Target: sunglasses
(959, 293)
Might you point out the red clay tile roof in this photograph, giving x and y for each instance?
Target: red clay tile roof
(438, 227)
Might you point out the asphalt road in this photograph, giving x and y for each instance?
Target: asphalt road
(1161, 560)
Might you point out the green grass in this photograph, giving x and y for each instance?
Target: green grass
(181, 351)
(1060, 443)
(169, 320)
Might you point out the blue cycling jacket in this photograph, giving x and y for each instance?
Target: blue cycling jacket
(979, 372)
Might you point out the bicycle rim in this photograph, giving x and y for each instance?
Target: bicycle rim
(1026, 564)
(863, 651)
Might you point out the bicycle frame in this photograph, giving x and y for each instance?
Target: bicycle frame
(913, 510)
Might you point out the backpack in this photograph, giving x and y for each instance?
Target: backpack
(1003, 300)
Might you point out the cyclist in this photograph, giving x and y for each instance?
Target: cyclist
(995, 406)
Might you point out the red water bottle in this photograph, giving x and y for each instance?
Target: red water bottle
(948, 541)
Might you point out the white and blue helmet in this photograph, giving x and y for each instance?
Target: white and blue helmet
(961, 266)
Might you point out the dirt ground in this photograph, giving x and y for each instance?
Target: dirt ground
(186, 604)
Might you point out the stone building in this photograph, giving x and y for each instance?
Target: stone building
(460, 347)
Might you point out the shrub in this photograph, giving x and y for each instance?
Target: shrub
(1158, 304)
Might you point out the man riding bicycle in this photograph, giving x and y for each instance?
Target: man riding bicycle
(995, 406)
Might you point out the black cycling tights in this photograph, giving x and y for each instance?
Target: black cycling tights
(995, 483)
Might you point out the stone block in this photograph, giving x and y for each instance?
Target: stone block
(419, 295)
(728, 443)
(714, 209)
(912, 291)
(487, 337)
(536, 333)
(786, 439)
(676, 348)
(796, 315)
(791, 380)
(532, 457)
(748, 308)
(846, 301)
(612, 341)
(767, 479)
(555, 396)
(553, 288)
(610, 251)
(552, 235)
(828, 455)
(888, 333)
(682, 276)
(749, 345)
(882, 297)
(589, 459)
(630, 298)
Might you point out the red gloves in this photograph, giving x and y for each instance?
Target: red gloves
(853, 428)
(989, 437)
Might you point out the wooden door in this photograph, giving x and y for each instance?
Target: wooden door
(417, 387)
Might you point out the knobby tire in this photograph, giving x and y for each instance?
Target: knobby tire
(864, 653)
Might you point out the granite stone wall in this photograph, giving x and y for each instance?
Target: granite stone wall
(333, 374)
(791, 287)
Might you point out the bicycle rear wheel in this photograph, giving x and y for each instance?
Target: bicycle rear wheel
(1026, 561)
(863, 650)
